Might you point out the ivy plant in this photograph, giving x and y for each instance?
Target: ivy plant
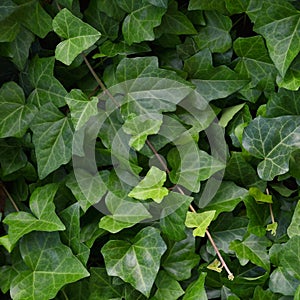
(149, 149)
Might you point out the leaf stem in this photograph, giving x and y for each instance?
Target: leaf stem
(271, 209)
(2, 186)
(165, 167)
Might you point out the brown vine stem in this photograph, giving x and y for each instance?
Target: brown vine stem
(271, 208)
(2, 186)
(165, 167)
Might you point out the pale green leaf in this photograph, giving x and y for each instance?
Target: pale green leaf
(47, 89)
(137, 262)
(252, 249)
(181, 257)
(272, 140)
(78, 34)
(151, 186)
(196, 290)
(199, 220)
(43, 217)
(228, 114)
(49, 266)
(145, 18)
(52, 137)
(279, 24)
(167, 287)
(82, 108)
(259, 196)
(294, 227)
(15, 114)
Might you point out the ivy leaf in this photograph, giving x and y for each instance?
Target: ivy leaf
(279, 25)
(151, 186)
(15, 114)
(259, 196)
(253, 248)
(137, 262)
(7, 7)
(43, 217)
(199, 220)
(78, 34)
(167, 287)
(215, 35)
(276, 105)
(294, 227)
(196, 290)
(47, 89)
(82, 109)
(40, 277)
(272, 140)
(9, 29)
(125, 212)
(207, 5)
(52, 137)
(87, 188)
(145, 17)
(71, 236)
(180, 258)
(226, 198)
(291, 80)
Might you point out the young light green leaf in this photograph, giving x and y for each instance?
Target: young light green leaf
(78, 34)
(15, 114)
(82, 108)
(196, 290)
(259, 196)
(167, 287)
(151, 186)
(139, 127)
(145, 17)
(272, 227)
(43, 217)
(47, 88)
(40, 277)
(294, 227)
(215, 35)
(180, 258)
(130, 261)
(229, 113)
(125, 212)
(226, 198)
(253, 248)
(279, 25)
(272, 140)
(199, 220)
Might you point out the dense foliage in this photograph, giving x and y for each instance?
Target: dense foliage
(149, 149)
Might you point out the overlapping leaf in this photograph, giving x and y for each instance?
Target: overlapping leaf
(79, 36)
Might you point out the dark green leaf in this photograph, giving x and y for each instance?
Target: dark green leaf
(196, 290)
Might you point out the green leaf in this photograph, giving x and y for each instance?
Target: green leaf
(137, 262)
(228, 114)
(71, 236)
(291, 80)
(52, 137)
(191, 165)
(167, 287)
(175, 22)
(139, 127)
(272, 140)
(82, 108)
(145, 17)
(173, 214)
(15, 114)
(253, 248)
(9, 29)
(66, 25)
(261, 294)
(125, 212)
(196, 290)
(215, 35)
(7, 7)
(44, 277)
(46, 87)
(87, 188)
(43, 217)
(294, 227)
(199, 220)
(151, 186)
(279, 24)
(181, 258)
(259, 196)
(276, 105)
(226, 198)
